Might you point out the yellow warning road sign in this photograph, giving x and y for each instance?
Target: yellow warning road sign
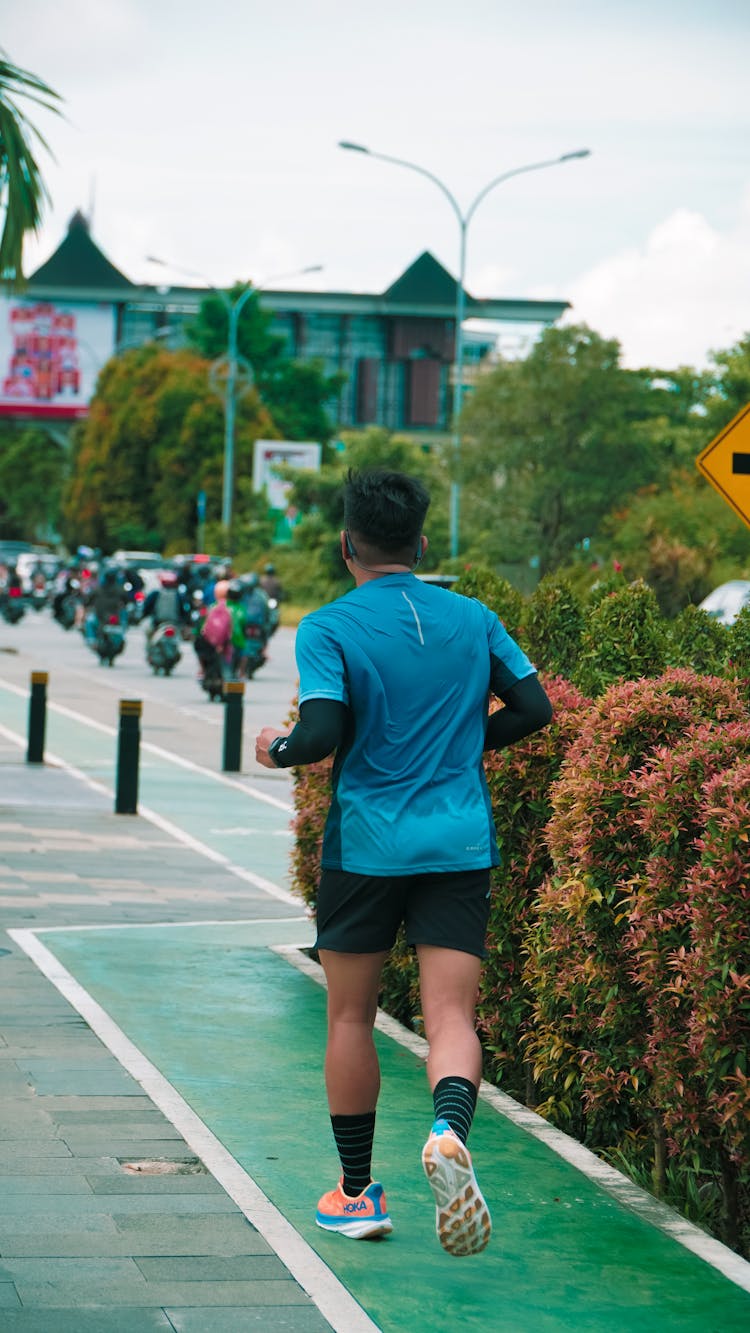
(725, 463)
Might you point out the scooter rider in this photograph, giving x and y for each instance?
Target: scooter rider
(164, 605)
(238, 612)
(255, 602)
(271, 583)
(109, 600)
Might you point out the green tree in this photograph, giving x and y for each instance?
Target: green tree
(22, 190)
(33, 467)
(153, 439)
(551, 443)
(730, 386)
(295, 392)
(680, 535)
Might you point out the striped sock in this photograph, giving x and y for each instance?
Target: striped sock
(354, 1135)
(455, 1100)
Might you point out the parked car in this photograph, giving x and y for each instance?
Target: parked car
(726, 601)
(139, 559)
(30, 563)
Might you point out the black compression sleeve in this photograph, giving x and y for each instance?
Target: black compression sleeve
(527, 709)
(319, 730)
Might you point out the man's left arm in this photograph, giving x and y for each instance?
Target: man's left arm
(527, 709)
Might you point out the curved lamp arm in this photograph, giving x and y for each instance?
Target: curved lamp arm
(520, 171)
(411, 166)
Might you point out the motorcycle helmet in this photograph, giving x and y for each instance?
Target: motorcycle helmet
(168, 578)
(251, 581)
(234, 590)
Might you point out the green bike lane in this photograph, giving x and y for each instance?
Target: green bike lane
(239, 1032)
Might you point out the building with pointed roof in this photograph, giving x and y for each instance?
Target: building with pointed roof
(78, 264)
(395, 348)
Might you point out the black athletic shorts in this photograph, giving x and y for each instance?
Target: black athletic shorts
(362, 913)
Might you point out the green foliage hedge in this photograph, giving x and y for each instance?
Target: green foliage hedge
(616, 993)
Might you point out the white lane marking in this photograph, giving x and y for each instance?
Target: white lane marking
(176, 925)
(629, 1195)
(249, 831)
(333, 1300)
(166, 825)
(169, 755)
(20, 741)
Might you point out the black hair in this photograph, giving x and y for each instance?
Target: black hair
(385, 509)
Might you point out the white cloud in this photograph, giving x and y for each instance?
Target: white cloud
(685, 292)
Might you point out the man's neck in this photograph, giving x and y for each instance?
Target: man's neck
(366, 573)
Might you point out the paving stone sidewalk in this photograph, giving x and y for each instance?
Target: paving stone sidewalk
(108, 1222)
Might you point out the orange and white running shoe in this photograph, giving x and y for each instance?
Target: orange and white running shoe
(361, 1217)
(462, 1218)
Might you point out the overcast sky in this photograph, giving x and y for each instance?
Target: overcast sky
(206, 133)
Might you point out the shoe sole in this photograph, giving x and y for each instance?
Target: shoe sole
(462, 1218)
(367, 1229)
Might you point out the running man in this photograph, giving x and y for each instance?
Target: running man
(395, 676)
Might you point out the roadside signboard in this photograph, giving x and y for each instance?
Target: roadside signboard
(50, 355)
(268, 457)
(725, 463)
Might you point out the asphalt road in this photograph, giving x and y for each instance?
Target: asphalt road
(177, 714)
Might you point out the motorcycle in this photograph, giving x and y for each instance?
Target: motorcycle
(163, 649)
(65, 605)
(109, 641)
(274, 615)
(212, 668)
(255, 649)
(12, 605)
(39, 597)
(135, 599)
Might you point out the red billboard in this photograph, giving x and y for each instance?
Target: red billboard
(50, 355)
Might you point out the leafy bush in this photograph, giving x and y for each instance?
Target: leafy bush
(519, 780)
(710, 1092)
(623, 639)
(696, 640)
(739, 649)
(312, 797)
(554, 626)
(589, 1020)
(717, 966)
(496, 593)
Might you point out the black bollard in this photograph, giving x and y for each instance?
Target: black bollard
(37, 717)
(233, 701)
(128, 749)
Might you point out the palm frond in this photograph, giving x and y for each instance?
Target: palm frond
(22, 190)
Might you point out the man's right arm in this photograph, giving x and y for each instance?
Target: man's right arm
(320, 730)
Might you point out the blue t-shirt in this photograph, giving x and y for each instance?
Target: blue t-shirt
(414, 665)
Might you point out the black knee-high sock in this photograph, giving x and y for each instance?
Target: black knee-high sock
(354, 1135)
(455, 1100)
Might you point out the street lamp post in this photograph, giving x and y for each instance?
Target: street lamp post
(458, 356)
(234, 310)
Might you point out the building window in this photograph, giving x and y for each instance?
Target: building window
(366, 400)
(424, 392)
